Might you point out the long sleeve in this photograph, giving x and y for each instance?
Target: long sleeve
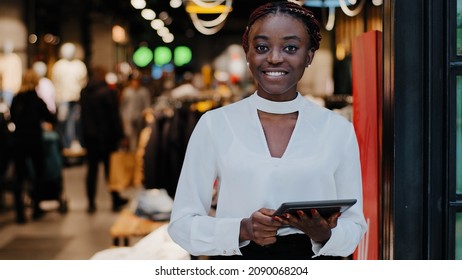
(351, 225)
(190, 225)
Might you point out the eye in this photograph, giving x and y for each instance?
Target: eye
(261, 48)
(291, 49)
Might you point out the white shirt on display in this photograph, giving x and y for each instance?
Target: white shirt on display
(69, 77)
(10, 72)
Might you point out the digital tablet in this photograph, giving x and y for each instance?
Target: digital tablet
(325, 207)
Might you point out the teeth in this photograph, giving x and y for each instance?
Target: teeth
(275, 73)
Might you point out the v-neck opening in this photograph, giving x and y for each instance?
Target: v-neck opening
(265, 140)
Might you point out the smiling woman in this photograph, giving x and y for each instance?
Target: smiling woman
(273, 147)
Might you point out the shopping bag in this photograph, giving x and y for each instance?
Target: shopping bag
(121, 170)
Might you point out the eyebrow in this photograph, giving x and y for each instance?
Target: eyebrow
(289, 37)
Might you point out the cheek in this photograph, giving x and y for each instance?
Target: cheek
(253, 60)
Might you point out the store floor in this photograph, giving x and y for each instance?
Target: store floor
(75, 235)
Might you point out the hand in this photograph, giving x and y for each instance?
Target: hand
(260, 227)
(316, 227)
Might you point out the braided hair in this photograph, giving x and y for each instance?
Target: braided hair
(289, 8)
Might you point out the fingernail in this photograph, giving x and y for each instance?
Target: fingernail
(300, 213)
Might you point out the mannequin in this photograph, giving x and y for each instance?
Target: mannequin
(69, 76)
(45, 88)
(10, 72)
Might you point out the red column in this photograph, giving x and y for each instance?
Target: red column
(367, 103)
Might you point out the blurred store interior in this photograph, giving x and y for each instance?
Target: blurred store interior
(166, 42)
(108, 33)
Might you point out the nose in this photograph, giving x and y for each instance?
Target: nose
(274, 56)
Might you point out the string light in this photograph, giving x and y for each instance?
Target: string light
(157, 24)
(148, 14)
(138, 4)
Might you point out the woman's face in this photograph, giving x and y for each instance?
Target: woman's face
(279, 52)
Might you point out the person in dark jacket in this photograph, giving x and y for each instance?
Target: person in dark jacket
(102, 132)
(28, 114)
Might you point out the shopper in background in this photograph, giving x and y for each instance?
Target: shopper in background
(272, 147)
(102, 132)
(134, 100)
(28, 114)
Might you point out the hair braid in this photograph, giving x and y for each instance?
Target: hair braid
(290, 8)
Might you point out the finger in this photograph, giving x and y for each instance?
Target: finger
(266, 219)
(333, 220)
(264, 236)
(315, 214)
(264, 226)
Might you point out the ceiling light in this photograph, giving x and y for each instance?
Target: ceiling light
(168, 38)
(175, 3)
(148, 14)
(163, 31)
(332, 4)
(138, 4)
(209, 27)
(191, 8)
(118, 34)
(157, 24)
(163, 15)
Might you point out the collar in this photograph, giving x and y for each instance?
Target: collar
(276, 107)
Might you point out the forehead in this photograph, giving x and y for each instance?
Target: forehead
(279, 23)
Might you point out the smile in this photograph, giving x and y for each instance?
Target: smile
(275, 74)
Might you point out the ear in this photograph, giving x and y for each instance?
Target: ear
(309, 57)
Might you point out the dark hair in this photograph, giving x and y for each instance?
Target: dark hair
(290, 8)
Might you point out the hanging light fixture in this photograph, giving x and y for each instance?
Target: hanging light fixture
(331, 5)
(354, 12)
(199, 7)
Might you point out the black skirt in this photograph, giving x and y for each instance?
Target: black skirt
(289, 247)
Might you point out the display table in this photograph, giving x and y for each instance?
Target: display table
(129, 225)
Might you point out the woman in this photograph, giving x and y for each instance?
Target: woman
(272, 147)
(29, 113)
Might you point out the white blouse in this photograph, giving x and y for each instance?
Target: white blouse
(321, 162)
(69, 78)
